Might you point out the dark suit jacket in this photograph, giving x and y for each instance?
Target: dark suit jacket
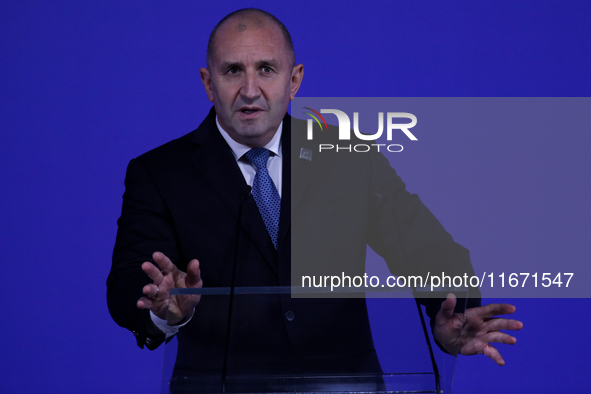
(183, 199)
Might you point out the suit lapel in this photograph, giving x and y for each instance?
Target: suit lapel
(298, 168)
(285, 215)
(216, 164)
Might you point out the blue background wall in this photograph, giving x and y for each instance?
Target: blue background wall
(86, 86)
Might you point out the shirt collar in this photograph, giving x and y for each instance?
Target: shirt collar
(240, 150)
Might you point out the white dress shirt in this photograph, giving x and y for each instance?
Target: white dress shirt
(274, 164)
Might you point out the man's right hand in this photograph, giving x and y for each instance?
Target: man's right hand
(156, 296)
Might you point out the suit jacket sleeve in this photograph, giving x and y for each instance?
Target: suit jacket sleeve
(143, 228)
(409, 237)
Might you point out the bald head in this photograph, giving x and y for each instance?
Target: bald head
(245, 19)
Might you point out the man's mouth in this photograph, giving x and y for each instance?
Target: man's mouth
(249, 111)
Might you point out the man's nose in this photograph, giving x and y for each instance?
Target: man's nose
(250, 87)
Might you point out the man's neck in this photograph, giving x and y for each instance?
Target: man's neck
(239, 149)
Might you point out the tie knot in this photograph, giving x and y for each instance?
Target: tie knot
(258, 157)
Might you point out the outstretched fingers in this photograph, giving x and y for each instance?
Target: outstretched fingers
(153, 272)
(153, 292)
(483, 328)
(503, 324)
(166, 266)
(150, 292)
(490, 310)
(492, 352)
(166, 276)
(144, 303)
(193, 275)
(447, 306)
(500, 337)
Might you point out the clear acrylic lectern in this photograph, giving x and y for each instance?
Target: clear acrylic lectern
(410, 361)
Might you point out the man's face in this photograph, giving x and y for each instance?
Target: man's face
(251, 80)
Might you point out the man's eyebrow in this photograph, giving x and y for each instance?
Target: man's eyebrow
(228, 65)
(271, 61)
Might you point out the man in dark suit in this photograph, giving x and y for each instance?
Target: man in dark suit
(189, 199)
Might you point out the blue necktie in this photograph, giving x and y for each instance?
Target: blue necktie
(264, 192)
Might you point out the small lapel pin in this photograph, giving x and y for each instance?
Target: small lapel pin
(306, 154)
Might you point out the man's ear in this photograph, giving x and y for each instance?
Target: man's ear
(206, 79)
(297, 74)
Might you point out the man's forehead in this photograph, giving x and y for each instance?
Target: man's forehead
(247, 26)
(266, 39)
(238, 29)
(263, 35)
(245, 22)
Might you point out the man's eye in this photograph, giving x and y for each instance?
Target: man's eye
(266, 69)
(233, 70)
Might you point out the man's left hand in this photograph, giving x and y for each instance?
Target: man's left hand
(473, 333)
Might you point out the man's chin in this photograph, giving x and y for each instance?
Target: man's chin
(252, 128)
(254, 136)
